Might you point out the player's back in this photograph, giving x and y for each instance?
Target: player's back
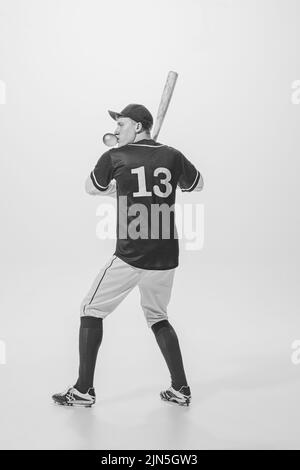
(147, 174)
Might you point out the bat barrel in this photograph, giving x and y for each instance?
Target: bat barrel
(164, 102)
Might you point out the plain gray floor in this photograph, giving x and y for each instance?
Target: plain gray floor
(237, 356)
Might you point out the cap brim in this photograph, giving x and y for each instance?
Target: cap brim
(114, 115)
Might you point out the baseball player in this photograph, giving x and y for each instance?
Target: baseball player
(143, 175)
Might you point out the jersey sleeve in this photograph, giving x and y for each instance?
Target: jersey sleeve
(102, 174)
(189, 176)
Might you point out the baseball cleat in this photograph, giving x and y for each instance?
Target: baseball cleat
(72, 397)
(182, 396)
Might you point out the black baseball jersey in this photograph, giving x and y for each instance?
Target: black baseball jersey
(147, 174)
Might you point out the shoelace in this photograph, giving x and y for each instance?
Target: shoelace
(170, 394)
(66, 391)
(70, 394)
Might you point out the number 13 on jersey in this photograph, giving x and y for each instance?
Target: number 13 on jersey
(142, 190)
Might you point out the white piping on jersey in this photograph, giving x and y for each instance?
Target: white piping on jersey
(186, 189)
(103, 187)
(144, 145)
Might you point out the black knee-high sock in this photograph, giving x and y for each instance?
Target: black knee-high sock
(168, 343)
(90, 337)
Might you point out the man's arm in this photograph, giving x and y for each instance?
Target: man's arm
(110, 190)
(200, 184)
(190, 178)
(101, 181)
(197, 184)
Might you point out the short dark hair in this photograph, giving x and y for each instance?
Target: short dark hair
(147, 127)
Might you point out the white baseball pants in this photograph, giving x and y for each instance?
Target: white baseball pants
(117, 279)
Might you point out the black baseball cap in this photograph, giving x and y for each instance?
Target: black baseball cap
(137, 112)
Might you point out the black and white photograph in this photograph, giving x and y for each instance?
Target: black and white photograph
(149, 227)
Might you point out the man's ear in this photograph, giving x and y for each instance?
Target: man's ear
(139, 127)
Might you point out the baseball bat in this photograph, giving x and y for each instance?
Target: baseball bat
(164, 102)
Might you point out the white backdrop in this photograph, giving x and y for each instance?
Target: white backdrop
(235, 114)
